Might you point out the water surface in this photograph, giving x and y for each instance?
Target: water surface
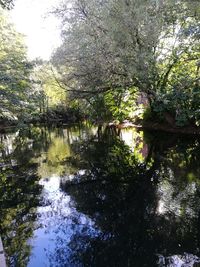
(89, 196)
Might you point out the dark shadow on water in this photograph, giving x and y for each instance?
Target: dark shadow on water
(124, 198)
(144, 209)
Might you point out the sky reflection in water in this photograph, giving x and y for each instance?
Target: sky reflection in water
(58, 221)
(80, 196)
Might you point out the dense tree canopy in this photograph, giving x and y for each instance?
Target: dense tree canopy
(120, 45)
(112, 54)
(14, 69)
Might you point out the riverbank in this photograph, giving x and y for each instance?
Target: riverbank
(126, 124)
(157, 127)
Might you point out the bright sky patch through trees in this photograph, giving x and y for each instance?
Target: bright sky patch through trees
(32, 19)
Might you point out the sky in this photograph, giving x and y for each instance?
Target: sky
(41, 29)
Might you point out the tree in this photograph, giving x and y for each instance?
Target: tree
(51, 94)
(109, 45)
(14, 69)
(49, 101)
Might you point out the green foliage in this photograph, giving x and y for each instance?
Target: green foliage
(120, 103)
(50, 101)
(14, 70)
(112, 105)
(47, 88)
(113, 46)
(111, 50)
(97, 109)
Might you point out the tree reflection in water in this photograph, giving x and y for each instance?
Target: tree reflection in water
(107, 199)
(144, 209)
(19, 197)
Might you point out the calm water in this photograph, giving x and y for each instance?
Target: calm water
(83, 196)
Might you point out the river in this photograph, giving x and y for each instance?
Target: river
(84, 196)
